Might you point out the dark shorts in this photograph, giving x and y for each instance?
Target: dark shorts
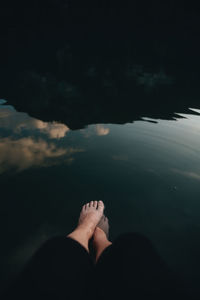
(128, 269)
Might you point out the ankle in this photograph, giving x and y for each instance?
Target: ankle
(99, 234)
(100, 246)
(86, 231)
(81, 236)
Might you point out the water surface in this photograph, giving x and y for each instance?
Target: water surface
(146, 172)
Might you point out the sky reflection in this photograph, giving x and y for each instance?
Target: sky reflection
(16, 122)
(27, 142)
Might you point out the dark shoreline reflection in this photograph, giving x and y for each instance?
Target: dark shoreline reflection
(101, 98)
(81, 73)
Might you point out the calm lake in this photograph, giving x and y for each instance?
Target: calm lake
(146, 172)
(100, 100)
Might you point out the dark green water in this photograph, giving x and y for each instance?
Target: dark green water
(98, 107)
(148, 175)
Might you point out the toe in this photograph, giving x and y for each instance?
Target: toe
(91, 204)
(95, 204)
(87, 205)
(100, 205)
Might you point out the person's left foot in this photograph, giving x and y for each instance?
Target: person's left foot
(104, 225)
(100, 237)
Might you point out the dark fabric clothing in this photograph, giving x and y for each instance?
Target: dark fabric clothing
(131, 268)
(128, 269)
(60, 269)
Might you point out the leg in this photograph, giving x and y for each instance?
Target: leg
(100, 237)
(132, 267)
(62, 267)
(54, 272)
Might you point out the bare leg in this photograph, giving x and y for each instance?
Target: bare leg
(100, 237)
(90, 216)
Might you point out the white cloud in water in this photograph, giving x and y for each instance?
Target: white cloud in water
(23, 148)
(92, 130)
(101, 130)
(24, 153)
(17, 121)
(54, 130)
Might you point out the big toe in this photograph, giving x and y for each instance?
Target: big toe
(100, 206)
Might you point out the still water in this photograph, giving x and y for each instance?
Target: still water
(146, 172)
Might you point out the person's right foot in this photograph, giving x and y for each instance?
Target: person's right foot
(100, 237)
(90, 216)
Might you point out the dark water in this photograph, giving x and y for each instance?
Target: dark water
(147, 174)
(102, 103)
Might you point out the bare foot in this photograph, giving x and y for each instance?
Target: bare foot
(100, 237)
(90, 216)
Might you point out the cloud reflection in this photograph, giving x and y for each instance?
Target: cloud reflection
(101, 130)
(18, 121)
(98, 129)
(24, 153)
(54, 130)
(30, 142)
